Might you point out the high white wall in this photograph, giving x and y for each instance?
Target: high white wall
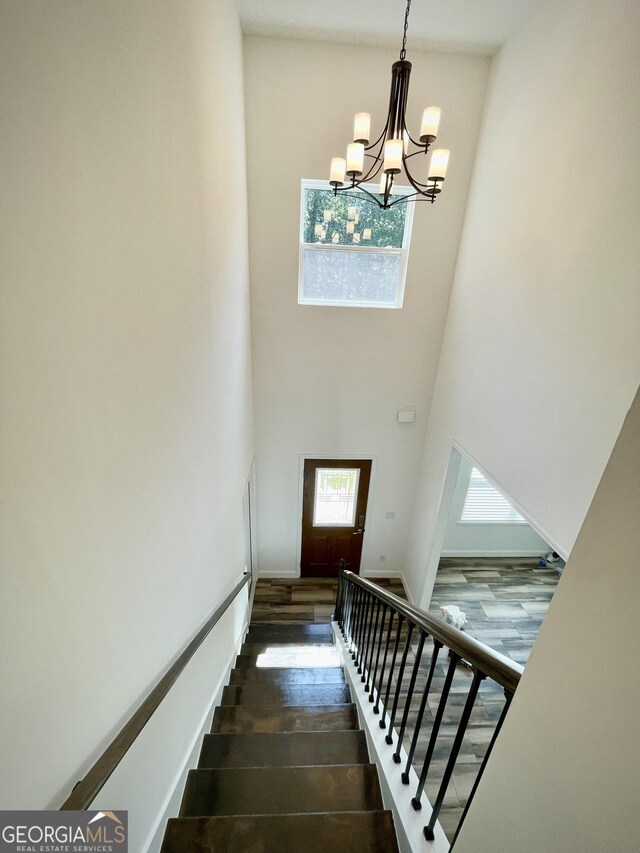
(465, 539)
(329, 381)
(541, 355)
(564, 771)
(126, 439)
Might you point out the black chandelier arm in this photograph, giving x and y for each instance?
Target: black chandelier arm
(420, 187)
(362, 194)
(421, 150)
(371, 196)
(417, 143)
(379, 139)
(413, 197)
(373, 171)
(348, 194)
(401, 199)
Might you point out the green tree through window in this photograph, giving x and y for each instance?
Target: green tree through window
(387, 226)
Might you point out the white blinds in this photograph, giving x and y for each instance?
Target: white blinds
(485, 505)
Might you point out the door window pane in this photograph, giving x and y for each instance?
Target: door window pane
(336, 492)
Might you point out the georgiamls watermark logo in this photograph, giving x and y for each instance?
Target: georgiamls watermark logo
(63, 832)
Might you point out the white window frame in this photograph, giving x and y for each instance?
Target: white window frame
(307, 184)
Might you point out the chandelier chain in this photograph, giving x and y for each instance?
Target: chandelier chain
(403, 51)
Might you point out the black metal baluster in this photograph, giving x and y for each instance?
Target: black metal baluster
(345, 609)
(363, 632)
(403, 663)
(407, 705)
(437, 645)
(376, 707)
(453, 755)
(385, 704)
(356, 621)
(364, 604)
(375, 669)
(337, 610)
(367, 639)
(372, 645)
(508, 697)
(415, 802)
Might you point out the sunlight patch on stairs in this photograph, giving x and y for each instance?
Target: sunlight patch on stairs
(304, 656)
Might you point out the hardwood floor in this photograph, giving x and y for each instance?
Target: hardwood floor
(303, 599)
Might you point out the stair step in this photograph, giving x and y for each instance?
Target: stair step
(290, 675)
(357, 832)
(292, 718)
(258, 647)
(281, 790)
(291, 657)
(290, 633)
(283, 749)
(286, 694)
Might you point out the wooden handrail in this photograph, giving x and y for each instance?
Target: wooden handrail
(86, 790)
(501, 669)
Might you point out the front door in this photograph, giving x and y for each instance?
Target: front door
(334, 509)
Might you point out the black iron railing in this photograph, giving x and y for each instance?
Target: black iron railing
(387, 638)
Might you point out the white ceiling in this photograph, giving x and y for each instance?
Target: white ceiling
(474, 26)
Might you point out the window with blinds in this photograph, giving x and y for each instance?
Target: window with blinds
(485, 505)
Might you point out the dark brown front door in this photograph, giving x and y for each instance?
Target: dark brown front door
(334, 509)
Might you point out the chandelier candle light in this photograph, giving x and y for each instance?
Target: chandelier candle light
(392, 151)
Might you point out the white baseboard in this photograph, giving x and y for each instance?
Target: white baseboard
(269, 575)
(171, 806)
(396, 796)
(502, 554)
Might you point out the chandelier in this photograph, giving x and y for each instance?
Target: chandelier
(394, 149)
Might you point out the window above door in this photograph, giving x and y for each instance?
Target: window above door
(352, 253)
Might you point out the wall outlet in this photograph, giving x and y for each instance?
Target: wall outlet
(391, 513)
(383, 557)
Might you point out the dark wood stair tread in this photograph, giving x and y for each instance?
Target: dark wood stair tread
(259, 647)
(281, 790)
(290, 718)
(287, 675)
(286, 694)
(283, 749)
(287, 633)
(286, 767)
(357, 832)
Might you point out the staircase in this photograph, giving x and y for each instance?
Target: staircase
(286, 767)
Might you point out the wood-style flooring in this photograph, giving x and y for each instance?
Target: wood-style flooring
(303, 599)
(505, 600)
